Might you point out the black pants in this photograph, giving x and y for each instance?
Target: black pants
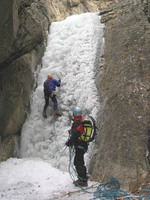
(79, 164)
(47, 95)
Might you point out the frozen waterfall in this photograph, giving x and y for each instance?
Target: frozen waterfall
(71, 51)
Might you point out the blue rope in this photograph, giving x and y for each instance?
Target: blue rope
(109, 191)
(74, 173)
(147, 190)
(71, 152)
(54, 129)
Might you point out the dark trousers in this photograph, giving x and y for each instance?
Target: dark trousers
(47, 95)
(79, 164)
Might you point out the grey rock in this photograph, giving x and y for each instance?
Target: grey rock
(23, 32)
(124, 87)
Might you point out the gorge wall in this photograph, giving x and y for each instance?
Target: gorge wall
(23, 31)
(124, 87)
(59, 10)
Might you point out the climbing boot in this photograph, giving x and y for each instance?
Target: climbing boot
(44, 115)
(80, 183)
(57, 113)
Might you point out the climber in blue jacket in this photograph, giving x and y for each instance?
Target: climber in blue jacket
(49, 92)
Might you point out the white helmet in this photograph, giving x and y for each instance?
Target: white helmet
(77, 111)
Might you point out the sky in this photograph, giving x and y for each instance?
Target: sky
(41, 171)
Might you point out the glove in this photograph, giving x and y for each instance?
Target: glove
(59, 81)
(69, 143)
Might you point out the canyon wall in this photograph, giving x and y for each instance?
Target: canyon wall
(124, 88)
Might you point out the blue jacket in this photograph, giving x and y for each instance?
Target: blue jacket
(51, 84)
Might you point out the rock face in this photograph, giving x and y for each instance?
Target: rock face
(23, 31)
(59, 10)
(124, 88)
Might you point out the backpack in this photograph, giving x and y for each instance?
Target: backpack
(89, 127)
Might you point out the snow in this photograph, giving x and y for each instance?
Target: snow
(36, 179)
(41, 172)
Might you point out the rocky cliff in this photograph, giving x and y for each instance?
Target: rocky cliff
(23, 31)
(59, 10)
(124, 88)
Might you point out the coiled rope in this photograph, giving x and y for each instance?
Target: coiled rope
(109, 190)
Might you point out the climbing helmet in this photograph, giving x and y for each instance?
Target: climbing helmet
(49, 76)
(77, 111)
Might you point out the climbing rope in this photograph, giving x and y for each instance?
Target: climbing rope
(109, 190)
(54, 129)
(55, 137)
(147, 190)
(72, 171)
(71, 166)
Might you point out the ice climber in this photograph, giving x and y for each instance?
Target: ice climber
(49, 92)
(80, 147)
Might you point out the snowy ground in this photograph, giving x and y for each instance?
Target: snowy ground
(36, 179)
(41, 173)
